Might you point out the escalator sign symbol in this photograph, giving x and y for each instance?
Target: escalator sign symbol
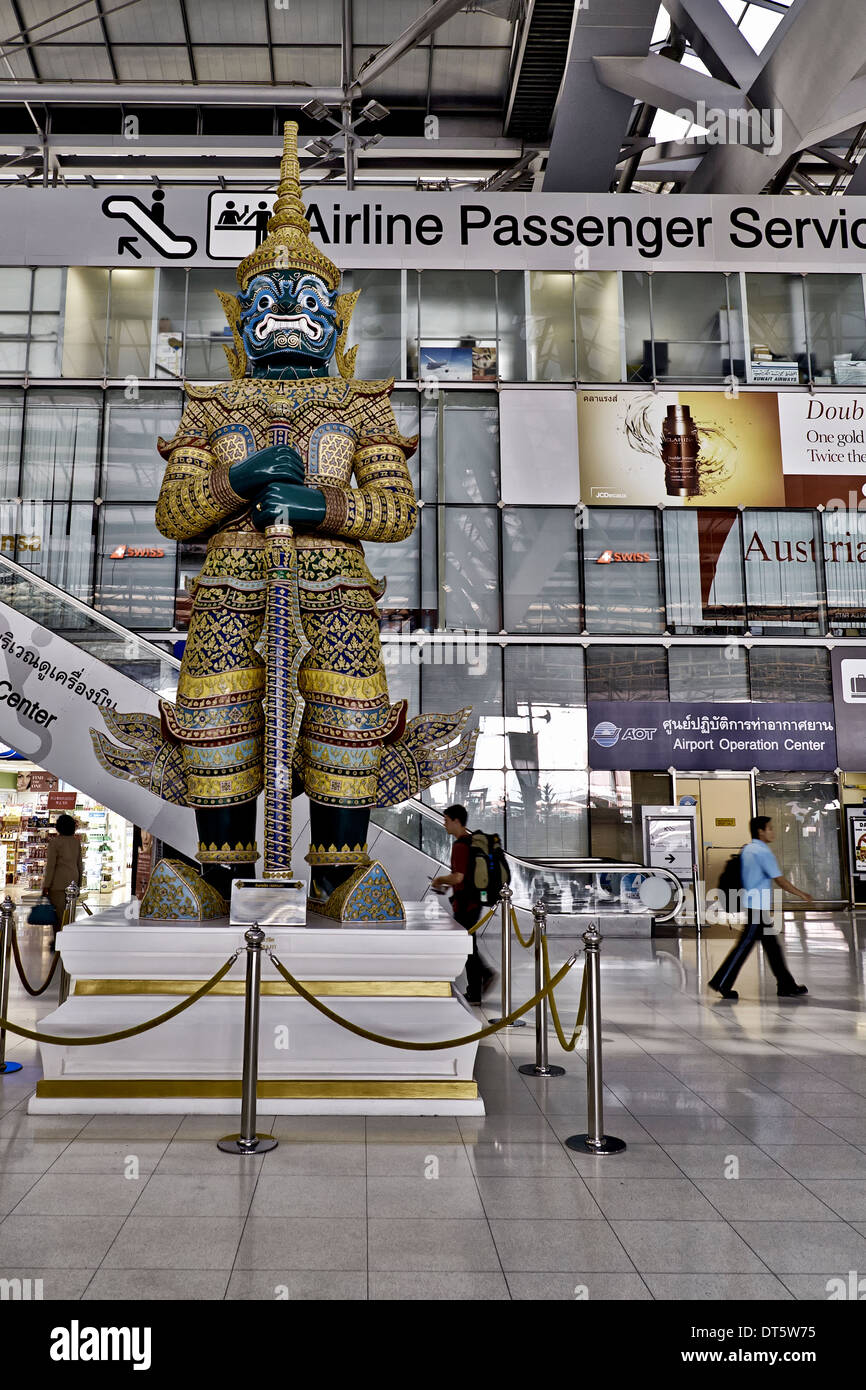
(149, 223)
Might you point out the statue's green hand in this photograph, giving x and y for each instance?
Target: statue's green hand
(288, 503)
(279, 463)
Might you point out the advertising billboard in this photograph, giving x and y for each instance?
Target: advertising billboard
(680, 448)
(722, 448)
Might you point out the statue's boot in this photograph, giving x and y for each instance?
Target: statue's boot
(227, 844)
(338, 846)
(344, 883)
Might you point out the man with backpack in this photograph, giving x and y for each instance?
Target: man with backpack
(478, 871)
(759, 872)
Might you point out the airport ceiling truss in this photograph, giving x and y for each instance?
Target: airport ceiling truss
(560, 95)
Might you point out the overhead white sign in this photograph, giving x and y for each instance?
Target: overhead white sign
(51, 694)
(140, 225)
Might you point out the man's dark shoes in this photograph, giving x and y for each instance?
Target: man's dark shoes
(725, 993)
(793, 992)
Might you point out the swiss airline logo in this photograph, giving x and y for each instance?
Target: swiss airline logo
(620, 557)
(136, 552)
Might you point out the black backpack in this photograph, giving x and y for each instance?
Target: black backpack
(731, 878)
(488, 866)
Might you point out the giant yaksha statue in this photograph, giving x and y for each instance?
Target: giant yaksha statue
(285, 471)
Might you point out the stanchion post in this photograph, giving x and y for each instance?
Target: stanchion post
(595, 1141)
(541, 1066)
(68, 918)
(505, 900)
(7, 922)
(248, 1142)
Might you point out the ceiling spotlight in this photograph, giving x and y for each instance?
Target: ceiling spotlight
(374, 111)
(316, 110)
(319, 147)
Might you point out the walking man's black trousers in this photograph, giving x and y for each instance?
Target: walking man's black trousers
(754, 931)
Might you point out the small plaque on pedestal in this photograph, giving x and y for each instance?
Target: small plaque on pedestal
(272, 902)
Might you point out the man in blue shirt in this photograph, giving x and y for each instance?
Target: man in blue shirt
(760, 874)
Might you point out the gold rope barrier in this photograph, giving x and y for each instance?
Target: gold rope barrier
(525, 944)
(581, 1006)
(125, 1032)
(317, 1004)
(20, 967)
(483, 921)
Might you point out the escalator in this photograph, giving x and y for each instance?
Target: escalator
(61, 662)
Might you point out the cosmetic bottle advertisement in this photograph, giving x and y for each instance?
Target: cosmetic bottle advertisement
(680, 448)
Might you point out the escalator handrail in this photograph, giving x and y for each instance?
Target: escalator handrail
(97, 618)
(581, 864)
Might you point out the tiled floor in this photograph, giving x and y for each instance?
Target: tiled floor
(744, 1176)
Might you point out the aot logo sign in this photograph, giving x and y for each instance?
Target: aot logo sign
(607, 735)
(619, 557)
(136, 552)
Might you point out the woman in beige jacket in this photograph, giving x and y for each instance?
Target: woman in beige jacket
(63, 864)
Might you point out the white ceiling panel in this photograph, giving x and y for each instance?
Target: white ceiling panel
(146, 63)
(320, 67)
(232, 64)
(379, 22)
(469, 72)
(34, 11)
(226, 21)
(406, 80)
(479, 28)
(150, 21)
(8, 23)
(20, 65)
(318, 21)
(71, 64)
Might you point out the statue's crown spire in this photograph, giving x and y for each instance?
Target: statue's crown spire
(287, 245)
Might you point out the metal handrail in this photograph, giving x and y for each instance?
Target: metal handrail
(99, 619)
(585, 864)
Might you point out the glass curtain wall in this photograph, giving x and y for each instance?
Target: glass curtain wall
(684, 326)
(499, 550)
(806, 820)
(693, 327)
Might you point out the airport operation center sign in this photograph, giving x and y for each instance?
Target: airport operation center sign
(128, 224)
(653, 735)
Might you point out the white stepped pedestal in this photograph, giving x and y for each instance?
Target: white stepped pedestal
(391, 978)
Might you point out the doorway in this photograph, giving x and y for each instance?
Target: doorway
(723, 808)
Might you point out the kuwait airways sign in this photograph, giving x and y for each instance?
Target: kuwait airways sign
(137, 225)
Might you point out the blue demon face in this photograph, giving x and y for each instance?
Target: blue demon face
(288, 317)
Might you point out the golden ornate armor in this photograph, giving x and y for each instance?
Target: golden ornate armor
(342, 430)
